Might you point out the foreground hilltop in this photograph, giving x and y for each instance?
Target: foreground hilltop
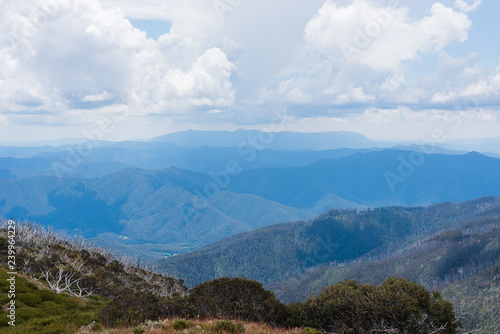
(66, 286)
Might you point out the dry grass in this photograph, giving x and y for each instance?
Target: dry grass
(193, 327)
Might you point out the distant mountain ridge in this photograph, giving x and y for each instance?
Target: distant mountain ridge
(170, 211)
(271, 140)
(113, 158)
(380, 178)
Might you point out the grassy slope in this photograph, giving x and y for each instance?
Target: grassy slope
(40, 310)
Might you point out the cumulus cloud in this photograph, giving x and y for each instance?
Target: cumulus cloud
(460, 83)
(207, 82)
(359, 53)
(382, 37)
(353, 95)
(76, 61)
(479, 89)
(61, 55)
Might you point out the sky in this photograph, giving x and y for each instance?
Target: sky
(117, 70)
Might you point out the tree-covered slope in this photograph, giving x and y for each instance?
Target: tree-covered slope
(138, 207)
(273, 253)
(436, 262)
(477, 297)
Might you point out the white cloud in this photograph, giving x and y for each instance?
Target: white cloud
(206, 83)
(359, 52)
(466, 6)
(60, 55)
(104, 96)
(356, 95)
(296, 95)
(393, 82)
(471, 84)
(382, 37)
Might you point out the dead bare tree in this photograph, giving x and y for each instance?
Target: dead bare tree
(65, 281)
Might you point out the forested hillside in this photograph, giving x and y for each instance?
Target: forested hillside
(454, 248)
(148, 213)
(275, 252)
(463, 263)
(67, 285)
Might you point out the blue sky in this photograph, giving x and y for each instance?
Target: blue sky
(391, 70)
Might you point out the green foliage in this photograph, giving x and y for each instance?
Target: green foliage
(139, 330)
(237, 298)
(131, 309)
(309, 330)
(43, 311)
(135, 307)
(181, 324)
(349, 307)
(337, 236)
(477, 297)
(96, 326)
(226, 326)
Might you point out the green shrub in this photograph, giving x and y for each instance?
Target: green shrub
(134, 308)
(181, 324)
(309, 330)
(238, 298)
(400, 304)
(96, 326)
(139, 330)
(228, 327)
(240, 328)
(30, 299)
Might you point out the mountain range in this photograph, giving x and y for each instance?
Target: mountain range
(295, 211)
(169, 211)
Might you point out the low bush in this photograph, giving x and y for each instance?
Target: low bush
(238, 298)
(181, 324)
(227, 326)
